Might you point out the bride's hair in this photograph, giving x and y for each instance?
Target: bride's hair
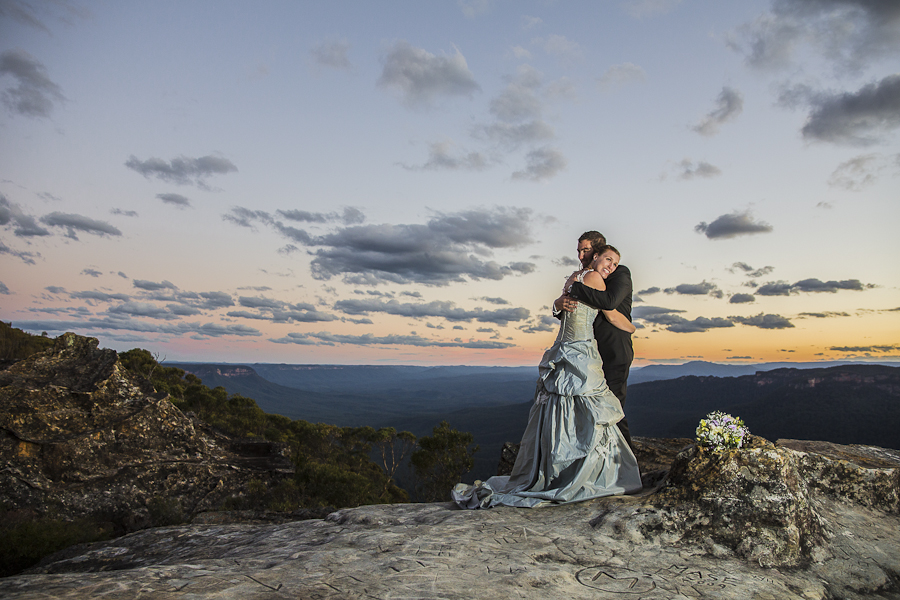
(601, 248)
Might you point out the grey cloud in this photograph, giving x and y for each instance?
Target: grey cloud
(891, 348)
(260, 302)
(245, 217)
(519, 100)
(518, 110)
(217, 330)
(203, 300)
(530, 22)
(444, 309)
(696, 289)
(352, 216)
(647, 312)
(35, 95)
(620, 75)
(123, 213)
(496, 228)
(783, 288)
(334, 55)
(493, 300)
(349, 216)
(815, 285)
(440, 157)
(175, 200)
(388, 340)
(182, 170)
(4, 290)
(91, 272)
(567, 261)
(303, 216)
(764, 321)
(513, 135)
(824, 315)
(678, 324)
(543, 324)
(688, 169)
(732, 225)
(23, 13)
(141, 309)
(213, 300)
(847, 32)
(859, 118)
(23, 225)
(444, 250)
(126, 324)
(542, 163)
(26, 257)
(292, 233)
(99, 296)
(560, 47)
(420, 77)
(562, 88)
(183, 310)
(858, 172)
(648, 291)
(153, 286)
(750, 271)
(775, 288)
(742, 298)
(280, 312)
(729, 105)
(73, 223)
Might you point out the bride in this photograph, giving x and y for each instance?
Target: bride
(571, 449)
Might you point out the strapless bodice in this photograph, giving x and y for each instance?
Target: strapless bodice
(578, 325)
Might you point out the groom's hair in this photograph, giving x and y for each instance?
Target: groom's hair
(594, 237)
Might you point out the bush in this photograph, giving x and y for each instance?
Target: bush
(441, 461)
(27, 541)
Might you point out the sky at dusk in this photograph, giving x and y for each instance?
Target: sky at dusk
(405, 182)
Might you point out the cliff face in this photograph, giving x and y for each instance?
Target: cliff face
(81, 436)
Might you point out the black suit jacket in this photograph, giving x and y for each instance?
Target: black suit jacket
(613, 344)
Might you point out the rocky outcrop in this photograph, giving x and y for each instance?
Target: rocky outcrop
(80, 436)
(678, 542)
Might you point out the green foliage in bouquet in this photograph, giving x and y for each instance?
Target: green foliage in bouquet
(720, 431)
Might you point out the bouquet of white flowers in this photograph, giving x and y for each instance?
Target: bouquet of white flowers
(719, 430)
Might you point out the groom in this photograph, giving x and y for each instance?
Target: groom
(613, 344)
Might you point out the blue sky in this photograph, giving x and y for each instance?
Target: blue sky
(354, 182)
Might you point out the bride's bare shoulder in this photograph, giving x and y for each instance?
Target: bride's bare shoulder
(594, 280)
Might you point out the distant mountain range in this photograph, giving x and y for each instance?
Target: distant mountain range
(842, 403)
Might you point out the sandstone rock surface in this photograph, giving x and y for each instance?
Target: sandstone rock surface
(81, 436)
(694, 538)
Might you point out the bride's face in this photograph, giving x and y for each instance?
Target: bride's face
(605, 263)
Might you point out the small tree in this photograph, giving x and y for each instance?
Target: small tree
(392, 449)
(441, 461)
